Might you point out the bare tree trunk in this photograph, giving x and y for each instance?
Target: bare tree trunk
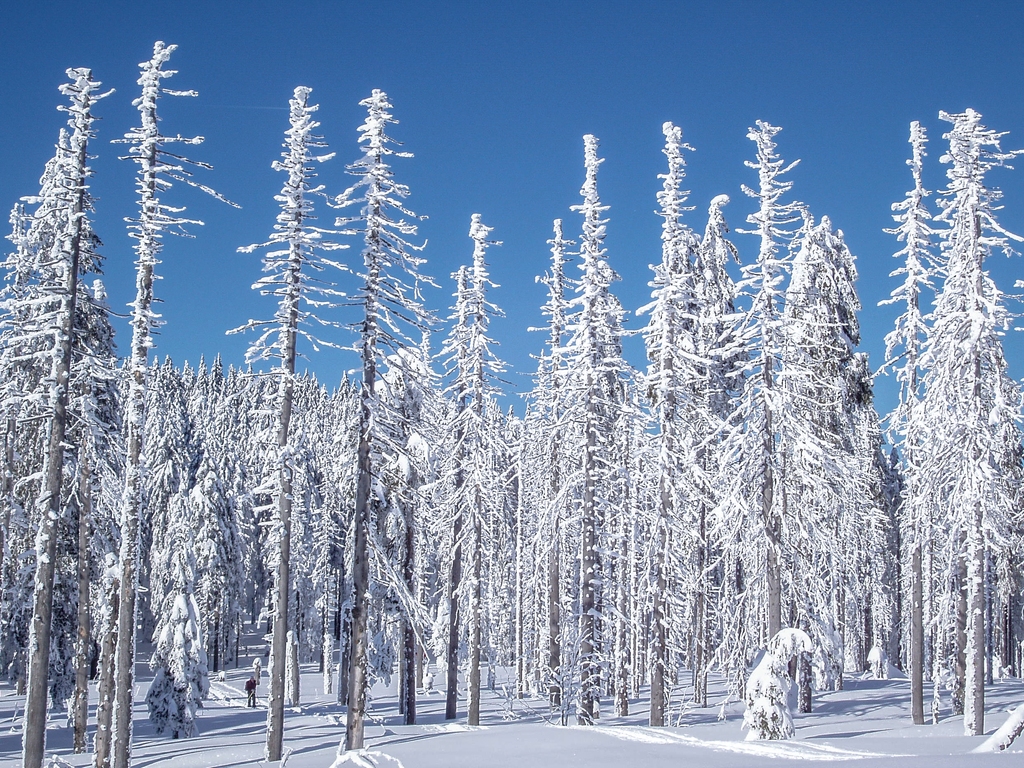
(452, 655)
(621, 635)
(960, 651)
(216, 642)
(80, 707)
(840, 591)
(105, 689)
(476, 562)
(990, 626)
(408, 633)
(916, 636)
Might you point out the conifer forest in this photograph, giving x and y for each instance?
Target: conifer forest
(731, 526)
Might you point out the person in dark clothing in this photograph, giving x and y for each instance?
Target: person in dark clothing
(250, 689)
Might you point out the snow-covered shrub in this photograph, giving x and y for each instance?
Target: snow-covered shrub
(878, 661)
(768, 716)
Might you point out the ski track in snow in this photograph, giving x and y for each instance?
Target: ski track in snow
(789, 750)
(453, 728)
(226, 693)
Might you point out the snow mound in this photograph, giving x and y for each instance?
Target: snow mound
(1006, 734)
(362, 758)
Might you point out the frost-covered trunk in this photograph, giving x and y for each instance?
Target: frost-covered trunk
(131, 505)
(80, 706)
(50, 503)
(360, 545)
(293, 697)
(8, 502)
(773, 573)
(659, 619)
(105, 687)
(974, 568)
(622, 606)
(974, 693)
(554, 589)
(590, 671)
(360, 584)
(327, 661)
(124, 681)
(282, 580)
(520, 586)
(701, 600)
(639, 635)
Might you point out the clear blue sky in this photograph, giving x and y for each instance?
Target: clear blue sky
(493, 100)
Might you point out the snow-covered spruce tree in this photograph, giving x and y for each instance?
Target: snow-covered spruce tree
(63, 214)
(169, 453)
(179, 660)
(821, 488)
(473, 367)
(388, 301)
(157, 169)
(594, 354)
(671, 377)
(293, 265)
(903, 352)
(748, 515)
(25, 343)
(966, 385)
(218, 552)
(18, 271)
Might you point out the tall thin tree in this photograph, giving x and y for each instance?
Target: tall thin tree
(294, 264)
(915, 232)
(158, 168)
(65, 211)
(387, 300)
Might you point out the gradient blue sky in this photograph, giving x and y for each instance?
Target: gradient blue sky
(493, 100)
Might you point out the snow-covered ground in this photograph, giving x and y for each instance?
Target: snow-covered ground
(868, 722)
